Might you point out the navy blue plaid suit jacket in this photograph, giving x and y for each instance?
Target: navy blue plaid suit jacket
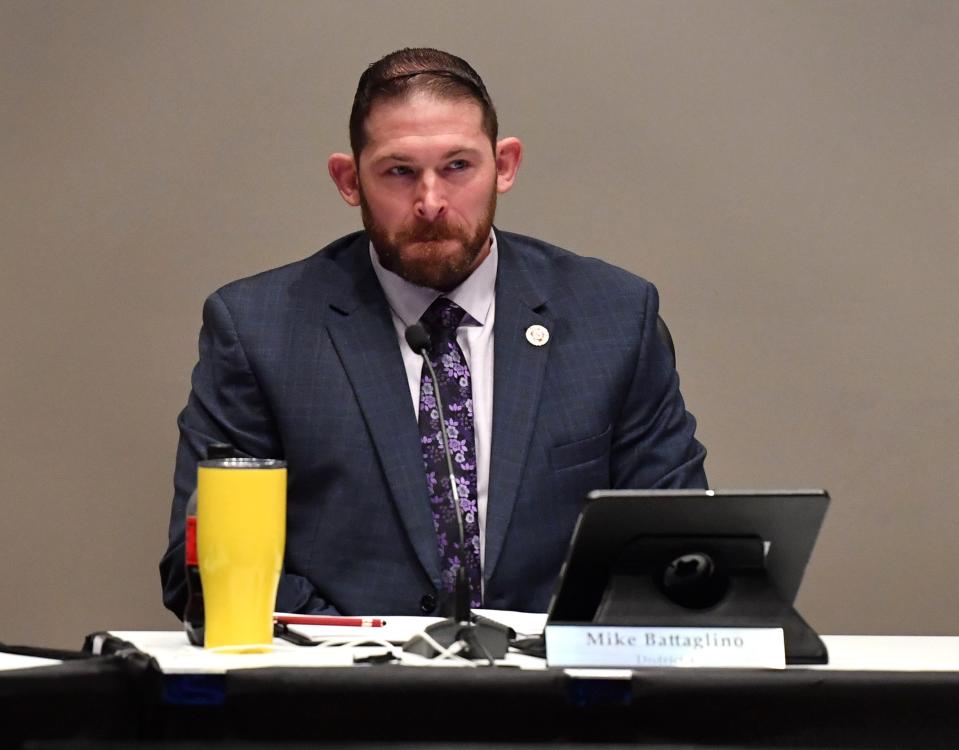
(303, 363)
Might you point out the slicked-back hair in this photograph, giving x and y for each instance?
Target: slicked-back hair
(420, 70)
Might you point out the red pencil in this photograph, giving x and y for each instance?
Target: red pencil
(349, 622)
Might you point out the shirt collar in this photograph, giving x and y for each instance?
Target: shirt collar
(409, 301)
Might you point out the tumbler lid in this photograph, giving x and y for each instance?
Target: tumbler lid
(242, 463)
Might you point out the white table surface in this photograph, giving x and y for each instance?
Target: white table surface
(175, 655)
(846, 652)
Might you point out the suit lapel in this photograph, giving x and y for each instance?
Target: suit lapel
(518, 371)
(361, 328)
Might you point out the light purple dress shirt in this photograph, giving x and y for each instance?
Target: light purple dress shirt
(477, 296)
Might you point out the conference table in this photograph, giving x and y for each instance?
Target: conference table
(134, 687)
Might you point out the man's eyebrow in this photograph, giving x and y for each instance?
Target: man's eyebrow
(392, 157)
(401, 157)
(460, 150)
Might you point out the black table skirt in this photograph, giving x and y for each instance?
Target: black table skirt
(121, 699)
(94, 699)
(712, 707)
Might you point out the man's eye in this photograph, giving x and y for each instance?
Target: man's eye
(458, 164)
(399, 171)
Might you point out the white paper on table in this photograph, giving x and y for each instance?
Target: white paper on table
(400, 628)
(174, 654)
(191, 659)
(396, 629)
(19, 661)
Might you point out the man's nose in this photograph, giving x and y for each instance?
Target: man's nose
(430, 202)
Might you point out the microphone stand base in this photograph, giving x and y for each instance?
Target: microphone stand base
(484, 638)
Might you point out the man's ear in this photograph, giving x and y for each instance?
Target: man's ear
(343, 171)
(509, 154)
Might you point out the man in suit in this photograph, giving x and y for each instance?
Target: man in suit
(554, 377)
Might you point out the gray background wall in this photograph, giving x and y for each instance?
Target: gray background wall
(786, 172)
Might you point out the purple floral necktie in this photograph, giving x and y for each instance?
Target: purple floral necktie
(456, 391)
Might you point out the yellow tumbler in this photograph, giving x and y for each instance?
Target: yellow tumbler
(241, 533)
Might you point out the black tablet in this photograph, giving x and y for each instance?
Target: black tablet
(784, 522)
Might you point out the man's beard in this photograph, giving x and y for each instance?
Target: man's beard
(430, 263)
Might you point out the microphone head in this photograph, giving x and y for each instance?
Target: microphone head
(418, 337)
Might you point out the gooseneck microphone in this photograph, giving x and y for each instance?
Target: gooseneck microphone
(490, 639)
(418, 338)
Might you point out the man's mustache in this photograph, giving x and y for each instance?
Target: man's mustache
(435, 231)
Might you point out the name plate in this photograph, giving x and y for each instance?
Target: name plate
(637, 646)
